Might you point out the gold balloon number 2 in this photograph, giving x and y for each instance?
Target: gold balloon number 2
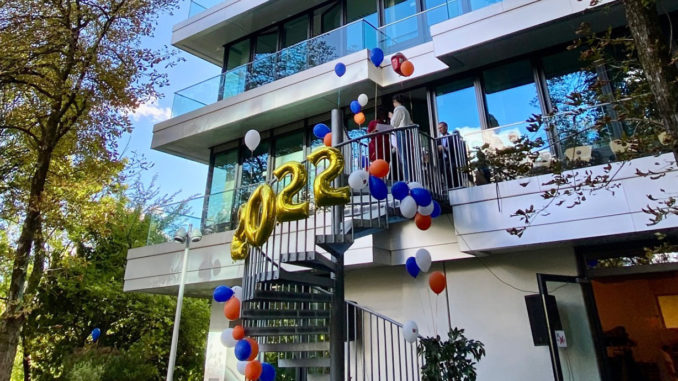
(256, 219)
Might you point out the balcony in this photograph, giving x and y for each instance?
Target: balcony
(359, 35)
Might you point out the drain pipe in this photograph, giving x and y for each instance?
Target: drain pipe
(338, 317)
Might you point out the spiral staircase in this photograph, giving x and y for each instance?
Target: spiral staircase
(293, 287)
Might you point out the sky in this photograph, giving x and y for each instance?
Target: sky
(174, 174)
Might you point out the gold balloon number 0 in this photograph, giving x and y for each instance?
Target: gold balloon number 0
(256, 219)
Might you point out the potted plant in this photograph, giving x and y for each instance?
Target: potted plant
(454, 359)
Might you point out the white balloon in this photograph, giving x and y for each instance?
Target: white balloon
(359, 179)
(241, 366)
(423, 259)
(426, 210)
(237, 292)
(414, 185)
(410, 331)
(252, 139)
(408, 207)
(227, 338)
(363, 99)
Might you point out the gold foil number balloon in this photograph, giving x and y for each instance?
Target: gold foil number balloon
(325, 194)
(286, 210)
(260, 215)
(239, 247)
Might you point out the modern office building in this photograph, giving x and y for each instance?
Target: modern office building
(482, 66)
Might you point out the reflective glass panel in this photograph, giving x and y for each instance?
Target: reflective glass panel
(511, 93)
(395, 10)
(238, 54)
(289, 147)
(295, 31)
(457, 106)
(220, 203)
(477, 4)
(326, 18)
(254, 169)
(362, 9)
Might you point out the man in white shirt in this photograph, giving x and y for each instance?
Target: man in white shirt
(400, 117)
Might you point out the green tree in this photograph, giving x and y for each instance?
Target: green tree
(84, 290)
(70, 72)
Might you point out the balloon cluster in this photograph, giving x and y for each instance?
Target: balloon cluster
(356, 107)
(416, 202)
(245, 348)
(402, 65)
(421, 262)
(372, 178)
(321, 131)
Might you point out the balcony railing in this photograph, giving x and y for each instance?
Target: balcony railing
(267, 68)
(353, 37)
(198, 6)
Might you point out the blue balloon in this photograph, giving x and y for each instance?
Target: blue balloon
(320, 130)
(96, 332)
(400, 190)
(222, 294)
(436, 209)
(421, 196)
(355, 107)
(378, 188)
(377, 56)
(340, 69)
(243, 350)
(267, 372)
(411, 266)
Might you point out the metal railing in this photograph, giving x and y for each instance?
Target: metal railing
(375, 348)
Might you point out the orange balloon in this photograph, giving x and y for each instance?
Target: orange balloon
(255, 348)
(422, 222)
(232, 308)
(253, 370)
(238, 332)
(379, 168)
(359, 118)
(328, 139)
(437, 282)
(407, 68)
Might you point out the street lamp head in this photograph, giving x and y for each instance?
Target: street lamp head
(196, 235)
(180, 235)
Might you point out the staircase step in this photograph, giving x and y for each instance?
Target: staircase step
(296, 347)
(309, 259)
(335, 244)
(288, 296)
(301, 277)
(287, 330)
(284, 314)
(304, 363)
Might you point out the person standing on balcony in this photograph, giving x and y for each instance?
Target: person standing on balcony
(452, 161)
(379, 146)
(400, 117)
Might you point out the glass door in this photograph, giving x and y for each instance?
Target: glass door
(565, 305)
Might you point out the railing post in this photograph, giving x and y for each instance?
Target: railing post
(337, 316)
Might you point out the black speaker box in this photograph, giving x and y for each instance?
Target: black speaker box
(535, 312)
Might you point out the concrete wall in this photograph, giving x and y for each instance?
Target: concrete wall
(482, 214)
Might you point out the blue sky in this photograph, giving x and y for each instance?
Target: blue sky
(173, 173)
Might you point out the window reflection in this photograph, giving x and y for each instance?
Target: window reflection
(457, 106)
(254, 169)
(510, 93)
(222, 186)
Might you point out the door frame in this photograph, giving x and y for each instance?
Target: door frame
(592, 316)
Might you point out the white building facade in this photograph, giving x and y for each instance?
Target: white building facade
(483, 67)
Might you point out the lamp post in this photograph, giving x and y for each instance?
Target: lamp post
(185, 237)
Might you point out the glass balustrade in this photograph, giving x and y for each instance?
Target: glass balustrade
(198, 6)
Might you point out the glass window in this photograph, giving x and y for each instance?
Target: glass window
(511, 93)
(220, 202)
(238, 54)
(263, 69)
(440, 10)
(266, 43)
(395, 10)
(295, 31)
(326, 18)
(564, 77)
(362, 9)
(254, 169)
(457, 106)
(289, 147)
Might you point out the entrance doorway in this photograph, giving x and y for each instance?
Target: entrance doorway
(638, 314)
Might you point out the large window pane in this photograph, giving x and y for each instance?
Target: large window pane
(289, 147)
(264, 68)
(326, 18)
(395, 10)
(576, 130)
(220, 203)
(254, 169)
(295, 31)
(511, 94)
(362, 9)
(238, 54)
(294, 57)
(457, 106)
